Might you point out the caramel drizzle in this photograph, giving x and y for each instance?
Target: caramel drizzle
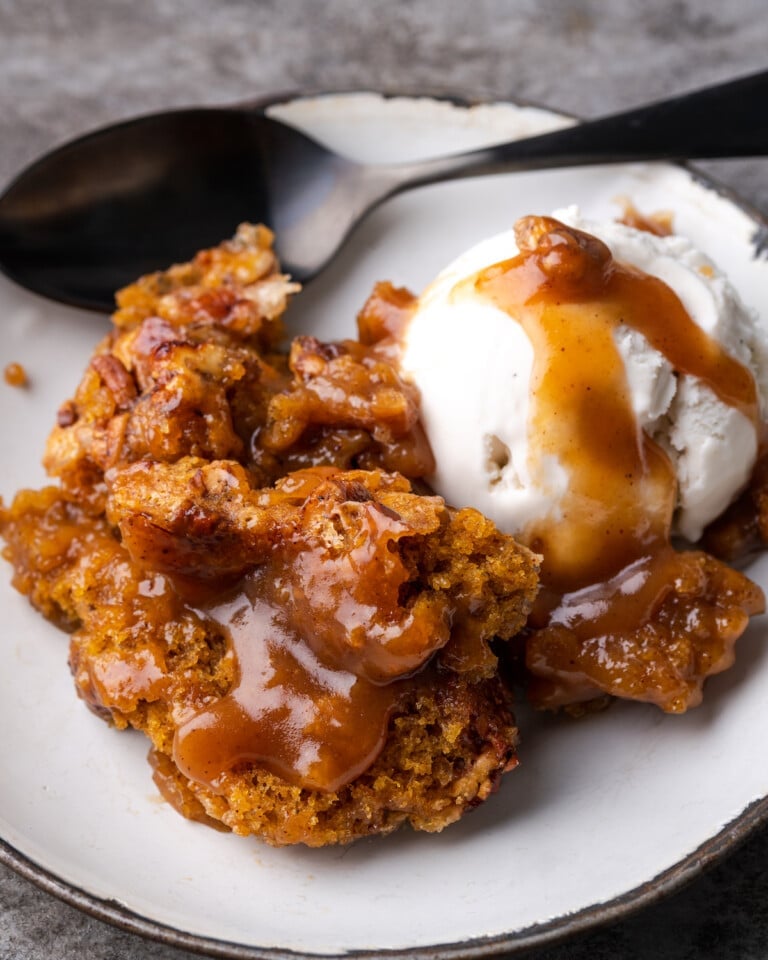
(570, 296)
(323, 649)
(287, 711)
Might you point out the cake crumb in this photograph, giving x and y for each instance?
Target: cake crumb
(15, 375)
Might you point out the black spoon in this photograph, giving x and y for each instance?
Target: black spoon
(100, 211)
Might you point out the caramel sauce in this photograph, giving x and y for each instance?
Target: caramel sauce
(607, 560)
(570, 296)
(602, 615)
(385, 315)
(323, 648)
(288, 711)
(123, 682)
(652, 633)
(659, 223)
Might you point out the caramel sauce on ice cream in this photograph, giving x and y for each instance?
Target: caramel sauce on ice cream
(608, 568)
(570, 295)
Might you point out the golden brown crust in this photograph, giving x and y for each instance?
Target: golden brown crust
(236, 287)
(445, 754)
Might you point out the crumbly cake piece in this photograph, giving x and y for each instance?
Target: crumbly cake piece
(198, 467)
(143, 655)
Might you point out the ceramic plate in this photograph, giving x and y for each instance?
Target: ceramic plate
(602, 814)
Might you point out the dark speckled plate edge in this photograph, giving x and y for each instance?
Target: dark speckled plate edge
(539, 935)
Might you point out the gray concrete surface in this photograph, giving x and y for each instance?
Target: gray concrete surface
(69, 65)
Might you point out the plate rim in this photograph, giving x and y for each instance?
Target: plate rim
(538, 935)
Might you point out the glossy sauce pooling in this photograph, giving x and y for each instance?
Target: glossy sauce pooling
(570, 296)
(323, 648)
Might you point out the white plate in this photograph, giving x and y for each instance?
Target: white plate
(603, 813)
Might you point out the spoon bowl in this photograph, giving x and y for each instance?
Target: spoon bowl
(96, 213)
(100, 211)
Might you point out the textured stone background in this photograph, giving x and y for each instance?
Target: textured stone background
(69, 65)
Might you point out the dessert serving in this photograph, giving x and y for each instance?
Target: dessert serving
(272, 562)
(250, 578)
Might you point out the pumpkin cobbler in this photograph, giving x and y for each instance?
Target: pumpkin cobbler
(254, 574)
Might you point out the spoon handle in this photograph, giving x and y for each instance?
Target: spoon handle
(725, 120)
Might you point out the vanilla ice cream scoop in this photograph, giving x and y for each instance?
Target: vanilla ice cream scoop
(476, 368)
